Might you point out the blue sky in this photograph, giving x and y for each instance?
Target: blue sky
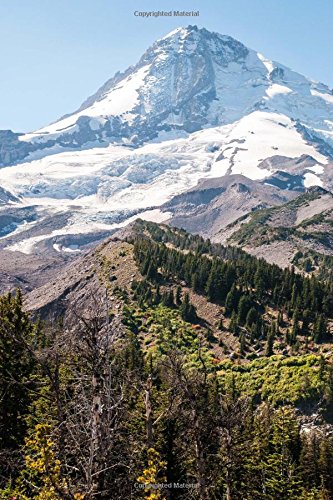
(54, 53)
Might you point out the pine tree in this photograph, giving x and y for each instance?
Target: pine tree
(282, 478)
(214, 286)
(231, 301)
(242, 344)
(168, 299)
(320, 329)
(326, 463)
(295, 330)
(306, 322)
(309, 461)
(178, 295)
(17, 334)
(243, 308)
(195, 282)
(152, 271)
(157, 296)
(187, 310)
(233, 326)
(270, 340)
(280, 319)
(251, 317)
(259, 280)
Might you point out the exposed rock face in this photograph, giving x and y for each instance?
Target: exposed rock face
(7, 197)
(11, 149)
(215, 203)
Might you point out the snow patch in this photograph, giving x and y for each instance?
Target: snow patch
(317, 169)
(276, 89)
(69, 249)
(266, 62)
(326, 97)
(312, 180)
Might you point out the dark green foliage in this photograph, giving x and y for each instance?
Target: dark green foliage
(270, 340)
(187, 310)
(178, 298)
(242, 344)
(320, 329)
(154, 379)
(237, 280)
(168, 298)
(229, 431)
(251, 316)
(17, 365)
(244, 307)
(306, 322)
(231, 301)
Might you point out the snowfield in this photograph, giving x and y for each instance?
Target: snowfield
(120, 101)
(98, 182)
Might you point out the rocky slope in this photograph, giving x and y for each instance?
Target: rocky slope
(213, 204)
(299, 232)
(111, 278)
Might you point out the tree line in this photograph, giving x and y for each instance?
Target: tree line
(244, 286)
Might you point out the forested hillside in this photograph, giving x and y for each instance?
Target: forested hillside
(298, 232)
(181, 369)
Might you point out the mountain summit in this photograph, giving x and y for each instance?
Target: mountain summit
(197, 105)
(188, 80)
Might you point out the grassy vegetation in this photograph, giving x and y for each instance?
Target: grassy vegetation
(280, 380)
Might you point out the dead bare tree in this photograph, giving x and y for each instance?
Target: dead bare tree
(92, 398)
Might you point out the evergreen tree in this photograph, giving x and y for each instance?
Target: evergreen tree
(270, 340)
(259, 280)
(320, 329)
(187, 310)
(242, 344)
(251, 316)
(326, 463)
(243, 308)
(282, 479)
(214, 286)
(295, 330)
(17, 334)
(309, 461)
(168, 298)
(157, 296)
(231, 301)
(152, 271)
(233, 326)
(306, 322)
(178, 295)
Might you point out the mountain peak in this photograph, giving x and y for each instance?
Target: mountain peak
(195, 40)
(189, 80)
(194, 30)
(180, 31)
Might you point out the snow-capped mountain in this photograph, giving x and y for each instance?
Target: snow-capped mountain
(189, 80)
(198, 104)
